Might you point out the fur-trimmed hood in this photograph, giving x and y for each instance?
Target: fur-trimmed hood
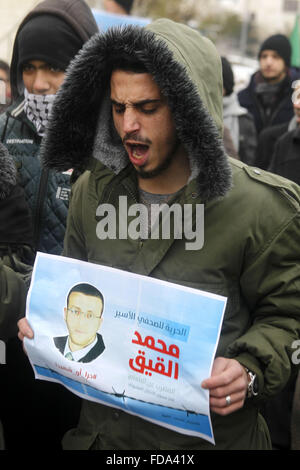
(8, 173)
(186, 67)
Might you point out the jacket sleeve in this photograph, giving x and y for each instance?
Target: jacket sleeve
(74, 241)
(12, 301)
(271, 286)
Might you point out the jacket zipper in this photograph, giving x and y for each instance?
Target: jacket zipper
(39, 208)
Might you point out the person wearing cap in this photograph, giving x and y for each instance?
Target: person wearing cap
(285, 160)
(47, 40)
(118, 7)
(268, 96)
(237, 120)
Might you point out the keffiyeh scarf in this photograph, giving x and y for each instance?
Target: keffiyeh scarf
(38, 109)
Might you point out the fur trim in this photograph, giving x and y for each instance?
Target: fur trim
(8, 173)
(81, 124)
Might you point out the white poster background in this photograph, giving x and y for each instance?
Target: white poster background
(160, 341)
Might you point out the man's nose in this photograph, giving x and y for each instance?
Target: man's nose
(41, 84)
(130, 121)
(269, 60)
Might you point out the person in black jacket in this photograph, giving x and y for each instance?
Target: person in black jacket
(286, 157)
(268, 96)
(47, 40)
(16, 240)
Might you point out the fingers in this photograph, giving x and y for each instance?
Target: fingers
(221, 407)
(24, 329)
(224, 372)
(228, 379)
(223, 380)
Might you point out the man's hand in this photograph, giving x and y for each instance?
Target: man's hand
(24, 329)
(228, 379)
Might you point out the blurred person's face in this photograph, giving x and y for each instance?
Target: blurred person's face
(272, 66)
(4, 78)
(41, 78)
(296, 97)
(83, 317)
(112, 7)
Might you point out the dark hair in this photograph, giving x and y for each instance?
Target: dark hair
(127, 63)
(228, 76)
(4, 66)
(87, 289)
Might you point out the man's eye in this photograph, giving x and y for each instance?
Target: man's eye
(148, 109)
(119, 109)
(55, 70)
(27, 68)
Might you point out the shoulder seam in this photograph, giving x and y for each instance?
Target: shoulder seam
(18, 110)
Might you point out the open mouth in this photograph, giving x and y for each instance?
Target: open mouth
(138, 153)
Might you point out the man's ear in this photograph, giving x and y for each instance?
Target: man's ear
(65, 313)
(100, 322)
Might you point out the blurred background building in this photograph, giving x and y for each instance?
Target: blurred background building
(11, 14)
(237, 27)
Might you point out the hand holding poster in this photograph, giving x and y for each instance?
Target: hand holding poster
(128, 341)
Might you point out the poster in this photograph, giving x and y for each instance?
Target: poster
(124, 340)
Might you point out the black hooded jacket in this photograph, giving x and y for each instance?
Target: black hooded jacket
(47, 192)
(15, 242)
(75, 13)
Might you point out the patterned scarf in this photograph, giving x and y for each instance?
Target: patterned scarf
(38, 109)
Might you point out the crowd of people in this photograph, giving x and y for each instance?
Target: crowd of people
(173, 130)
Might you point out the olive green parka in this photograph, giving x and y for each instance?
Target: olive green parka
(251, 251)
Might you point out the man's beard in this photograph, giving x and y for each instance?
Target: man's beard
(160, 168)
(275, 78)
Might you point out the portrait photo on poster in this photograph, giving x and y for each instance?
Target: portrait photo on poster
(83, 315)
